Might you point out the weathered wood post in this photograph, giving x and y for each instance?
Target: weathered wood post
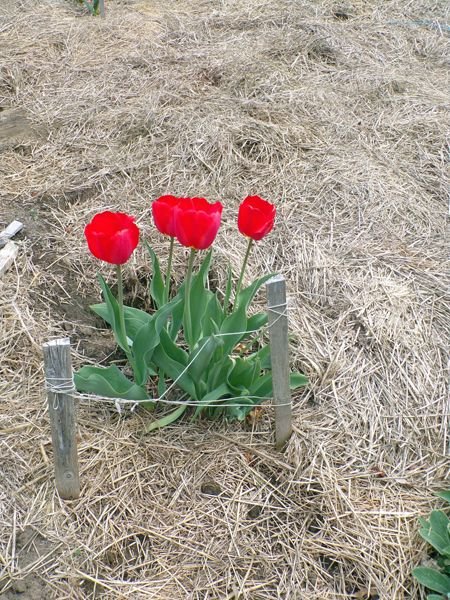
(62, 412)
(279, 355)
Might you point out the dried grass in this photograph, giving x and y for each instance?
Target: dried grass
(338, 114)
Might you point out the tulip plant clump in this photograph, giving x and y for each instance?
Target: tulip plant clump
(203, 342)
(91, 5)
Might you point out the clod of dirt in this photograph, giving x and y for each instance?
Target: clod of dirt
(210, 489)
(343, 14)
(30, 588)
(19, 586)
(254, 512)
(322, 51)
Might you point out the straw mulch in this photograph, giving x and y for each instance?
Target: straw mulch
(337, 113)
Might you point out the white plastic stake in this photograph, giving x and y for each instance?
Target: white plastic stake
(12, 229)
(7, 256)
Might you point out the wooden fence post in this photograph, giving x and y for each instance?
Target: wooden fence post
(279, 355)
(62, 412)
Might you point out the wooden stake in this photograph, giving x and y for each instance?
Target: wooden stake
(279, 355)
(62, 412)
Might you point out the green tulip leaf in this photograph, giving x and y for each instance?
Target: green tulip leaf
(201, 322)
(238, 409)
(213, 316)
(199, 299)
(134, 318)
(297, 380)
(91, 6)
(215, 395)
(237, 321)
(234, 327)
(204, 268)
(219, 370)
(436, 540)
(435, 531)
(432, 579)
(167, 420)
(201, 356)
(243, 375)
(439, 522)
(177, 314)
(113, 313)
(255, 322)
(172, 361)
(162, 387)
(246, 295)
(157, 285)
(146, 341)
(263, 355)
(175, 352)
(109, 382)
(262, 386)
(444, 495)
(161, 315)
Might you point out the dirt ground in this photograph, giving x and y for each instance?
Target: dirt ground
(337, 112)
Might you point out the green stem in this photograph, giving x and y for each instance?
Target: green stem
(120, 303)
(244, 264)
(168, 272)
(226, 299)
(123, 330)
(187, 300)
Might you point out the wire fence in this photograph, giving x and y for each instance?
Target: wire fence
(64, 385)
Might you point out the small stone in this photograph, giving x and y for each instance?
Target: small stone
(254, 512)
(19, 586)
(342, 13)
(85, 330)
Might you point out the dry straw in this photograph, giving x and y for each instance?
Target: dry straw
(338, 114)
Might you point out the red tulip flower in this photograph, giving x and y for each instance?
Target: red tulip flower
(197, 222)
(112, 237)
(163, 210)
(256, 217)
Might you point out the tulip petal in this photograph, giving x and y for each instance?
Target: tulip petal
(163, 210)
(197, 222)
(112, 237)
(256, 217)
